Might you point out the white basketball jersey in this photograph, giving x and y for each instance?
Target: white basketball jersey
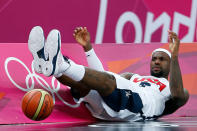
(155, 92)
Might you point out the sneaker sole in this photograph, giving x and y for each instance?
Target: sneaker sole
(52, 47)
(36, 46)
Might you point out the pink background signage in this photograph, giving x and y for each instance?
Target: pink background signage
(109, 21)
(17, 77)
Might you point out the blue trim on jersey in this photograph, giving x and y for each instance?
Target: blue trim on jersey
(121, 99)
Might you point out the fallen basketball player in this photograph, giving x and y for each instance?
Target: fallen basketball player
(109, 96)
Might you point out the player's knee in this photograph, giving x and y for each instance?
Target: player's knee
(109, 85)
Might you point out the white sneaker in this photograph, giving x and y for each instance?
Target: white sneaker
(54, 62)
(36, 47)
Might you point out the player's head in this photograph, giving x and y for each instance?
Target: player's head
(160, 63)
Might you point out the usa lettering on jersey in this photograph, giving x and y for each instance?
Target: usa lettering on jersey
(151, 80)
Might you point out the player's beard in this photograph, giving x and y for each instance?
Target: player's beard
(158, 74)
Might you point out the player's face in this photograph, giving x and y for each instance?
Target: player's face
(160, 64)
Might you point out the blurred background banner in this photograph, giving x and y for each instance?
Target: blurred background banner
(17, 77)
(108, 21)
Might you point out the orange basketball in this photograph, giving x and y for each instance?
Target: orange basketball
(37, 104)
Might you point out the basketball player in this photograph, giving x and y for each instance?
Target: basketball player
(109, 96)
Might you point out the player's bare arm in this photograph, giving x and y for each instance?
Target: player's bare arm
(176, 83)
(179, 95)
(82, 36)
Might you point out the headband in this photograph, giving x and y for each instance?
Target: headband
(162, 50)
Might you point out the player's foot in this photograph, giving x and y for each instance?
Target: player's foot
(54, 59)
(36, 47)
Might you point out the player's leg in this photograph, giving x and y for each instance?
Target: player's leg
(78, 89)
(103, 82)
(106, 84)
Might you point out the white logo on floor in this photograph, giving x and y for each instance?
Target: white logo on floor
(33, 76)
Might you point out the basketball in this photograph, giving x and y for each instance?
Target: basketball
(37, 104)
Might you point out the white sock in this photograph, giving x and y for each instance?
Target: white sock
(62, 67)
(75, 71)
(93, 60)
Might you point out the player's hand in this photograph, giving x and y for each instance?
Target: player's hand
(82, 36)
(174, 43)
